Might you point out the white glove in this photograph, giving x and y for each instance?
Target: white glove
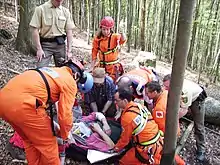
(99, 116)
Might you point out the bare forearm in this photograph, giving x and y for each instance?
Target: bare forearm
(106, 138)
(104, 121)
(36, 38)
(69, 35)
(107, 105)
(94, 107)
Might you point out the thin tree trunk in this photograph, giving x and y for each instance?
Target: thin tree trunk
(163, 31)
(130, 22)
(16, 10)
(137, 7)
(94, 16)
(217, 69)
(190, 55)
(98, 12)
(118, 14)
(214, 27)
(103, 8)
(24, 42)
(172, 26)
(110, 7)
(148, 27)
(143, 24)
(88, 19)
(175, 29)
(178, 69)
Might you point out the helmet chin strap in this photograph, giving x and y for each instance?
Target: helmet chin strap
(75, 76)
(139, 87)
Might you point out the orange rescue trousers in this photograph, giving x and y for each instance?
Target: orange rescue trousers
(130, 157)
(35, 129)
(113, 70)
(22, 105)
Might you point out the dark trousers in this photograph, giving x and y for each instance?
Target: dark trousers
(198, 114)
(52, 49)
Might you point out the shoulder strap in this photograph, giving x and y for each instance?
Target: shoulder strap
(46, 84)
(49, 101)
(133, 112)
(109, 42)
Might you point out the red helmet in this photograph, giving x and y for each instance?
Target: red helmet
(107, 21)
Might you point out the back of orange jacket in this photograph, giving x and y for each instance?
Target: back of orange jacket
(29, 88)
(139, 74)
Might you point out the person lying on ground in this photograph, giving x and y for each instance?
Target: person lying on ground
(89, 132)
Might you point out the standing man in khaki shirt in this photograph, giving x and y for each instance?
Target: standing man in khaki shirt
(51, 24)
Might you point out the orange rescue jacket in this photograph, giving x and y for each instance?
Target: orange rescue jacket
(104, 44)
(29, 88)
(159, 111)
(140, 74)
(129, 121)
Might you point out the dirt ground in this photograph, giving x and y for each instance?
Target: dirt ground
(12, 62)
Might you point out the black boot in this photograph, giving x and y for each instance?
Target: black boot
(15, 152)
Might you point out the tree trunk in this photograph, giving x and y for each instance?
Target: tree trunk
(172, 28)
(163, 24)
(143, 24)
(16, 10)
(129, 21)
(214, 28)
(88, 21)
(178, 69)
(153, 27)
(175, 29)
(103, 8)
(190, 55)
(118, 14)
(98, 11)
(205, 44)
(94, 16)
(217, 69)
(110, 7)
(137, 7)
(148, 27)
(23, 40)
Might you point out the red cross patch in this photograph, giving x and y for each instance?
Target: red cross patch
(159, 114)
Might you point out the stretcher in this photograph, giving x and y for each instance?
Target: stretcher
(93, 156)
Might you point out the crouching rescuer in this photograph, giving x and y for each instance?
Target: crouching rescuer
(140, 134)
(26, 100)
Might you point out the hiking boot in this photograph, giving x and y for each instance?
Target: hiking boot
(15, 152)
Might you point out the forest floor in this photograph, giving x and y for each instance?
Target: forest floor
(12, 62)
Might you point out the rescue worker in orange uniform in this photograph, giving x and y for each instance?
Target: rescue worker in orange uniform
(154, 91)
(106, 45)
(23, 104)
(137, 78)
(140, 128)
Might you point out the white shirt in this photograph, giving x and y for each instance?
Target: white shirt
(190, 93)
